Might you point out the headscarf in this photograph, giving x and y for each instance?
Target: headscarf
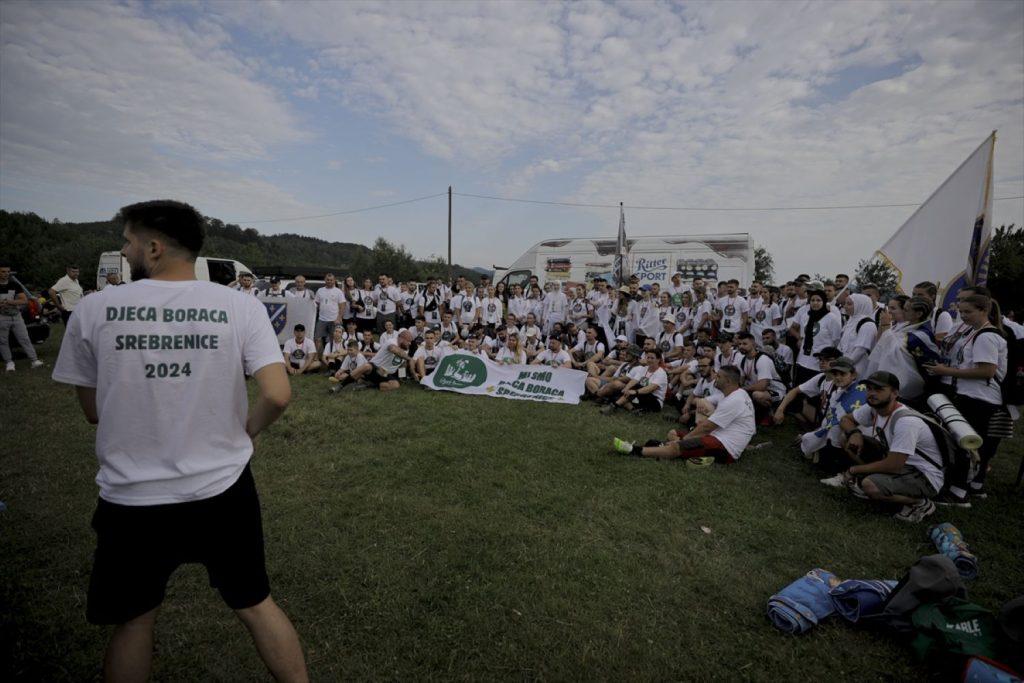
(863, 309)
(813, 316)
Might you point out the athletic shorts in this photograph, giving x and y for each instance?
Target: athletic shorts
(709, 447)
(139, 547)
(324, 329)
(376, 379)
(910, 482)
(647, 402)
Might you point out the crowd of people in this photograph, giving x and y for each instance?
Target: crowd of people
(853, 371)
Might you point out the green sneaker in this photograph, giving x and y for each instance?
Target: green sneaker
(624, 447)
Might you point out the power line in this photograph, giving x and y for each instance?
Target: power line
(340, 213)
(699, 208)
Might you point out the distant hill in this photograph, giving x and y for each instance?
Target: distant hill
(39, 250)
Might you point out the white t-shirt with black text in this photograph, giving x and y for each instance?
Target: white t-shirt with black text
(168, 361)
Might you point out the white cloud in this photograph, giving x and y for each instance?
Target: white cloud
(99, 96)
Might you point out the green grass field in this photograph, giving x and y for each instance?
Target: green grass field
(423, 535)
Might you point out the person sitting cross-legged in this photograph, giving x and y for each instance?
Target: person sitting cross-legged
(646, 388)
(300, 353)
(382, 370)
(609, 384)
(352, 361)
(723, 436)
(902, 463)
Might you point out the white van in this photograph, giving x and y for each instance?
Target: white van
(652, 259)
(219, 270)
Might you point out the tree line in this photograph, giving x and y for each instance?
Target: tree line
(39, 250)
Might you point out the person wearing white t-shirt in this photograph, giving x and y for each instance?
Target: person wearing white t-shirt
(247, 285)
(942, 321)
(427, 356)
(67, 292)
(670, 341)
(554, 355)
(705, 395)
(431, 304)
(723, 436)
(811, 396)
(274, 291)
(350, 362)
(389, 335)
(902, 462)
(383, 369)
(590, 351)
(731, 310)
(300, 353)
(330, 301)
(646, 388)
(160, 365)
(760, 378)
(365, 305)
(492, 312)
(977, 367)
(387, 296)
(335, 350)
(556, 307)
(298, 290)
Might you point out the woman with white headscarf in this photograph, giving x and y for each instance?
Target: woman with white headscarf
(906, 348)
(859, 332)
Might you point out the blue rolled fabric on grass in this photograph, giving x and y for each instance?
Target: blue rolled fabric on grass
(858, 598)
(950, 542)
(802, 604)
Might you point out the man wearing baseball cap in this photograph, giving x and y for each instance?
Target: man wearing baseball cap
(900, 462)
(808, 400)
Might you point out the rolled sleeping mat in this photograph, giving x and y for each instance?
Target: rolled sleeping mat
(958, 426)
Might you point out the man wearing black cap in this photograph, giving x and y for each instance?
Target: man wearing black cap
(800, 399)
(274, 290)
(900, 462)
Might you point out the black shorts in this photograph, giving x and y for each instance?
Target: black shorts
(647, 402)
(376, 379)
(139, 547)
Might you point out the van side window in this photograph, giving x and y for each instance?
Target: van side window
(222, 272)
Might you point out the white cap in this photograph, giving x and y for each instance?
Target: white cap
(622, 337)
(668, 319)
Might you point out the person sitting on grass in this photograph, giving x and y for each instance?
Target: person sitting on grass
(902, 462)
(300, 353)
(612, 359)
(368, 346)
(760, 378)
(705, 395)
(352, 361)
(427, 356)
(646, 388)
(335, 350)
(382, 370)
(511, 353)
(824, 444)
(610, 383)
(727, 354)
(810, 397)
(554, 355)
(723, 436)
(589, 353)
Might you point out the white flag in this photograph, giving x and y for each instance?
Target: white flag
(946, 241)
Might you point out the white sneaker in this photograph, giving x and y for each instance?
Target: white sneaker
(10, 366)
(36, 364)
(838, 481)
(915, 513)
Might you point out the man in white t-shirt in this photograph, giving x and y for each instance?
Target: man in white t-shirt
(705, 395)
(645, 391)
(352, 361)
(387, 296)
(300, 355)
(722, 436)
(66, 293)
(590, 350)
(247, 284)
(731, 309)
(383, 369)
(299, 290)
(427, 356)
(901, 463)
(159, 365)
(331, 302)
(554, 355)
(760, 378)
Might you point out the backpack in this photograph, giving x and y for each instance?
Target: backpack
(1012, 384)
(950, 450)
(953, 628)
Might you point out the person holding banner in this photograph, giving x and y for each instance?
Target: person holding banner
(554, 355)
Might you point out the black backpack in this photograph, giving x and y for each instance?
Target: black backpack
(949, 449)
(1012, 384)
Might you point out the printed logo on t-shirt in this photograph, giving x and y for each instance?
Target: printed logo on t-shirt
(759, 316)
(491, 308)
(730, 310)
(467, 305)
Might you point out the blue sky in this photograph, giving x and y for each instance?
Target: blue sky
(270, 110)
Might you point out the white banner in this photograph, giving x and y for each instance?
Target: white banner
(465, 373)
(946, 240)
(285, 313)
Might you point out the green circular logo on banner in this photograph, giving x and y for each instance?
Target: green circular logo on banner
(460, 372)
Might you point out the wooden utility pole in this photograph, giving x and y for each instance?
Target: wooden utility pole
(450, 278)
